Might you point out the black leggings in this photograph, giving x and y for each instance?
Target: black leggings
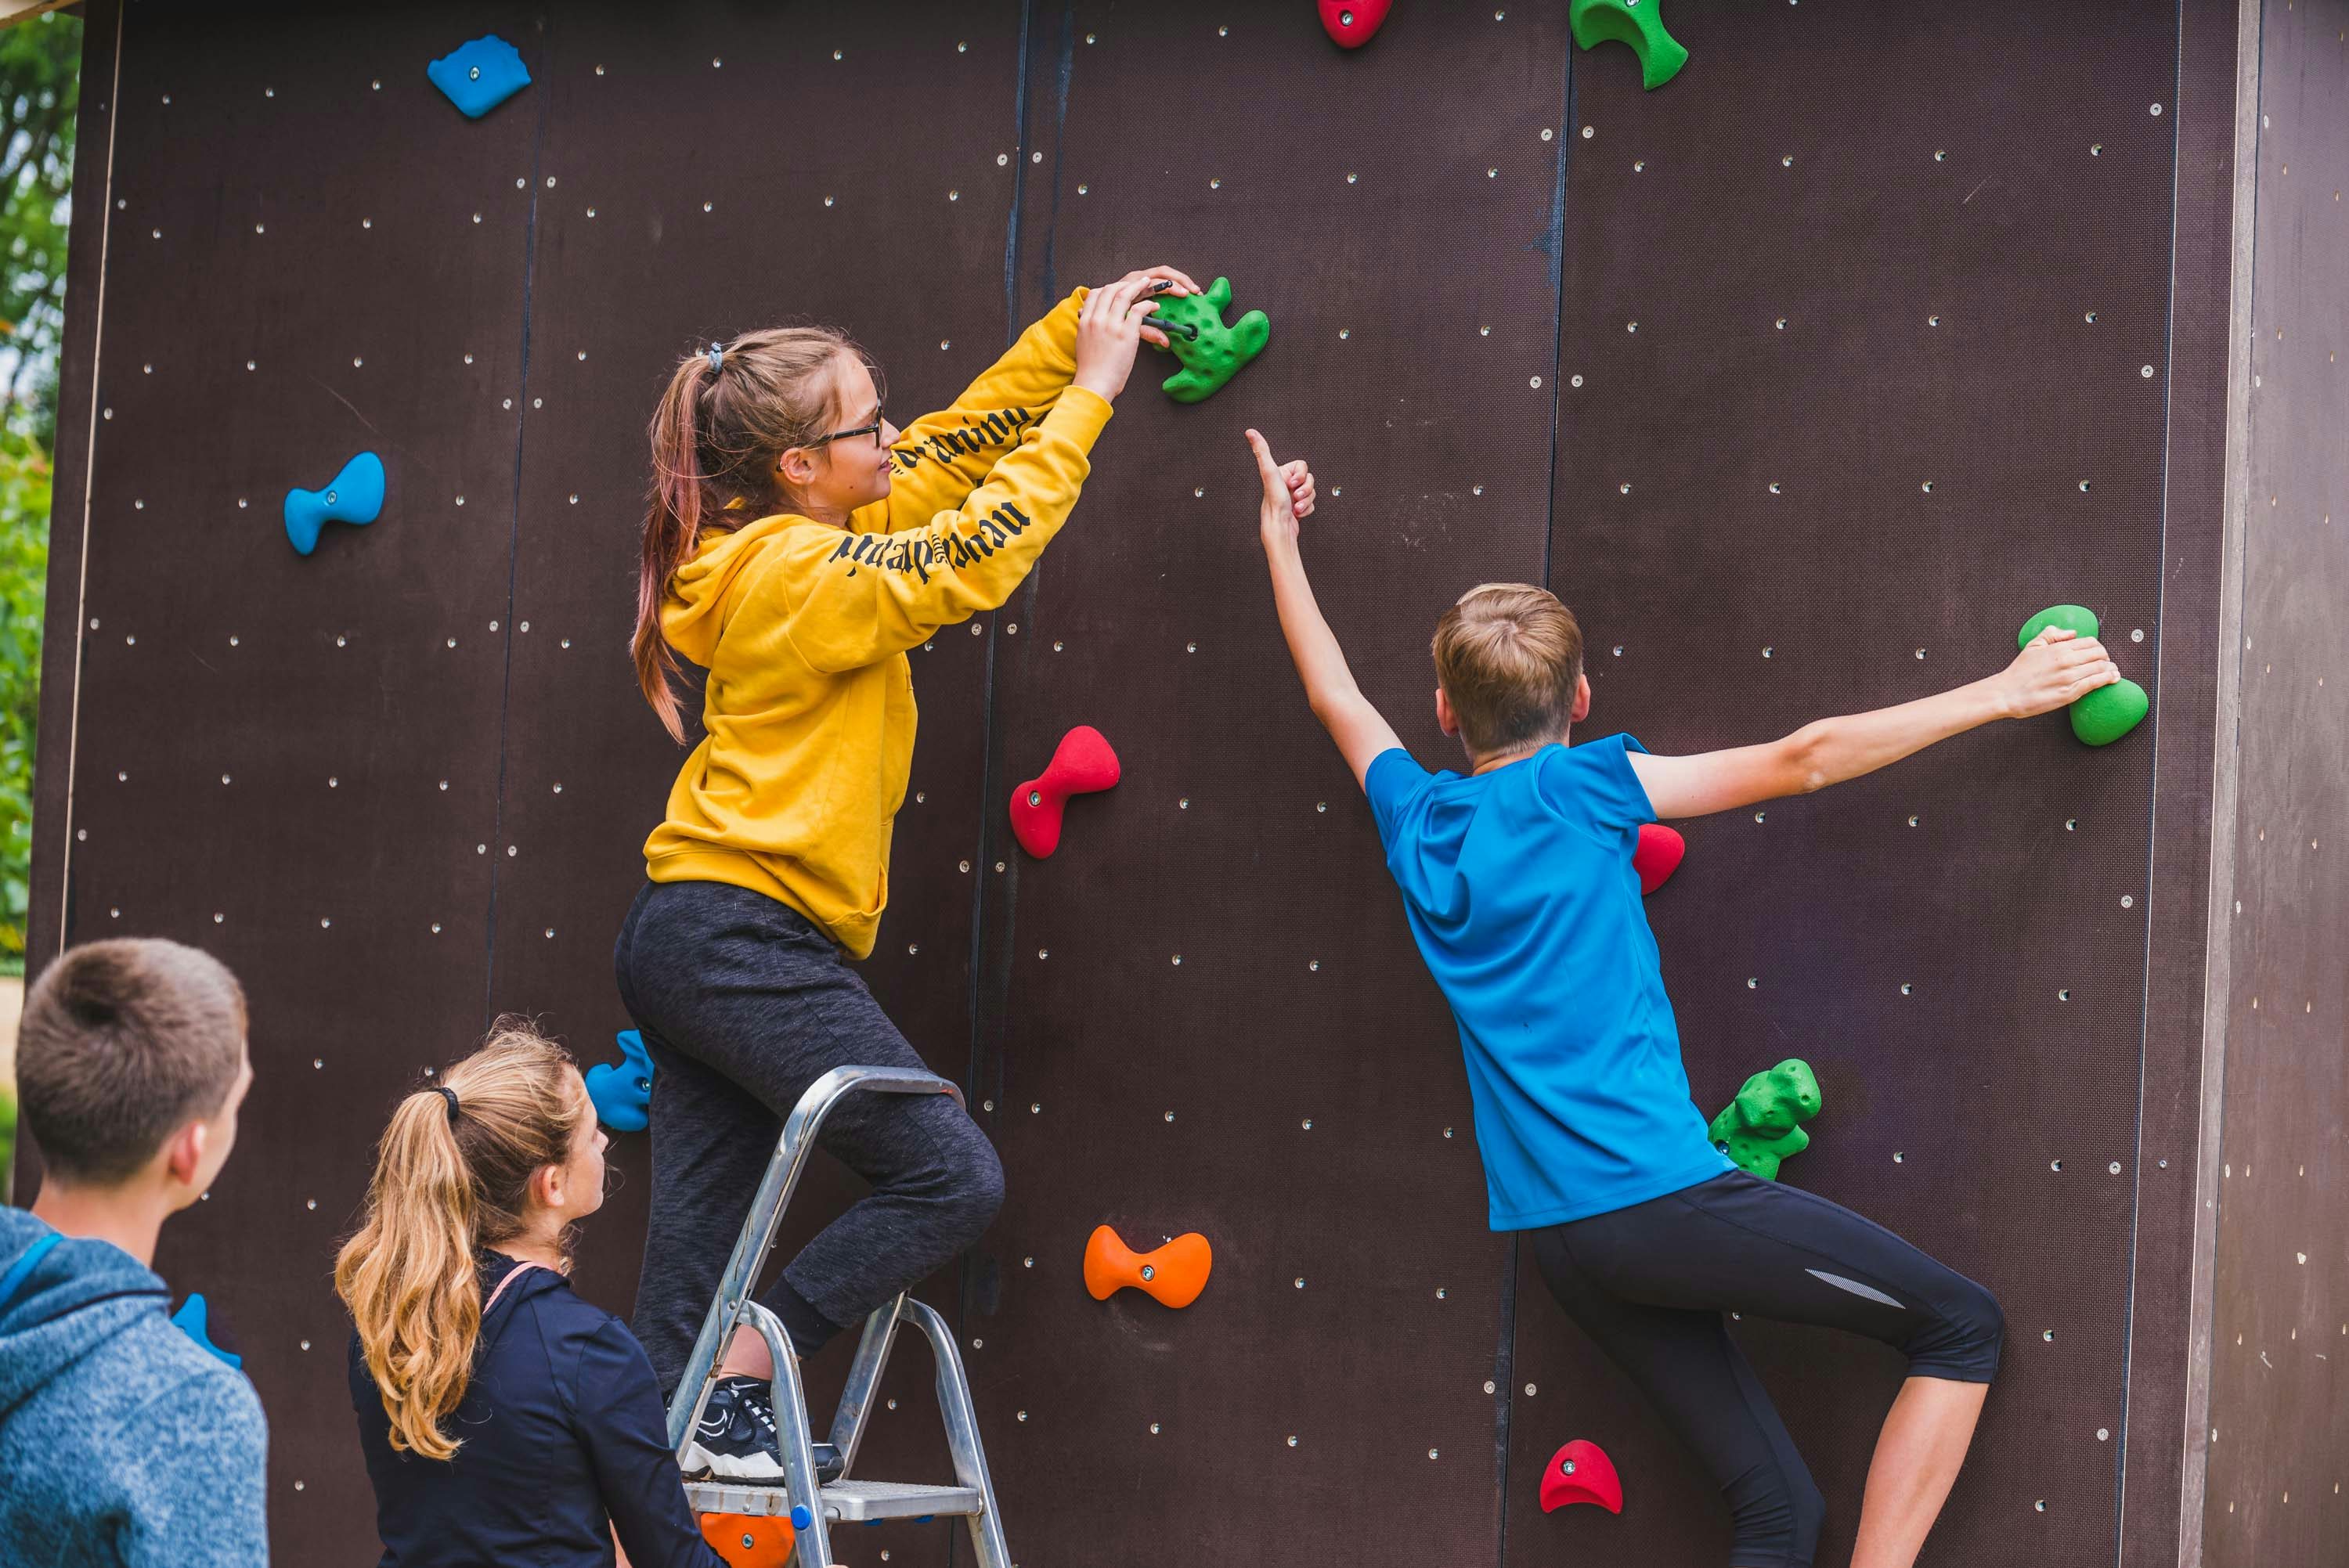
(1650, 1284)
(743, 1004)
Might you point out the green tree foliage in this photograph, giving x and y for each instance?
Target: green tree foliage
(23, 564)
(40, 67)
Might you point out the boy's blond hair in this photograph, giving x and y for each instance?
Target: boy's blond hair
(1509, 657)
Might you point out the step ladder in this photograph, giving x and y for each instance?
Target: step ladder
(817, 1492)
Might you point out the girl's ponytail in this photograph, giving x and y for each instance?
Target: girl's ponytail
(450, 1178)
(672, 530)
(728, 417)
(409, 1277)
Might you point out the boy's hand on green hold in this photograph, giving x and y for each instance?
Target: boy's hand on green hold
(2055, 669)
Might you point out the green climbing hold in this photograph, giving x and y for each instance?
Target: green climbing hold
(2074, 618)
(1211, 353)
(1764, 1124)
(1640, 23)
(2107, 713)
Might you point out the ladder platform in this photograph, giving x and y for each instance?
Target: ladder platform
(850, 1502)
(738, 1497)
(856, 1501)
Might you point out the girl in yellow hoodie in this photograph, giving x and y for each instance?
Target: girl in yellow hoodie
(796, 545)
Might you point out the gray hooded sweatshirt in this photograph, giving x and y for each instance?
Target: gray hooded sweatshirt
(122, 1441)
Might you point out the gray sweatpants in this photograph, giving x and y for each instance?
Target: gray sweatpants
(742, 1004)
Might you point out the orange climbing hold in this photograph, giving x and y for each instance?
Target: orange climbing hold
(1176, 1273)
(750, 1540)
(1581, 1472)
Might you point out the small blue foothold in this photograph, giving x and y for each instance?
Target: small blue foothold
(623, 1094)
(190, 1321)
(801, 1517)
(479, 76)
(354, 496)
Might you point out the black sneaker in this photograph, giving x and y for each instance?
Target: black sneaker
(735, 1439)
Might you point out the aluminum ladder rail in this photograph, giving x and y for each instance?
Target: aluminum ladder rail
(814, 1505)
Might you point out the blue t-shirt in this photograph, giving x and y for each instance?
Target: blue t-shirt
(1521, 891)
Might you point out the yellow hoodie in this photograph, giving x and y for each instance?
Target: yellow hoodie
(804, 627)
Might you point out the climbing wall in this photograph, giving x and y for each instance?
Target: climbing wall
(2279, 1410)
(1803, 379)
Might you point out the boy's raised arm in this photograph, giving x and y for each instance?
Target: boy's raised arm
(2057, 669)
(1357, 727)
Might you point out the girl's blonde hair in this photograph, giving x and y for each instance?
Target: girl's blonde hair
(716, 436)
(445, 1186)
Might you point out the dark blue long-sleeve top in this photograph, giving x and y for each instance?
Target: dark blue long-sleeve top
(564, 1442)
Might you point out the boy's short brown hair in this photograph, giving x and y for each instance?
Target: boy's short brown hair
(123, 1041)
(1509, 657)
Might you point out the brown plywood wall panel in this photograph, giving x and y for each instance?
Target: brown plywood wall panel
(2163, 1366)
(1203, 1012)
(661, 228)
(1846, 398)
(443, 670)
(292, 762)
(2279, 1426)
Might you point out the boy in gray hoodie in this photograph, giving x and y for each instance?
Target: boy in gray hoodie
(123, 1440)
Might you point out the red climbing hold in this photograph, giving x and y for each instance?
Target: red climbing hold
(1581, 1472)
(1351, 22)
(1082, 764)
(1658, 856)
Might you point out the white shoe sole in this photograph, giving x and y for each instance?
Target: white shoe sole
(759, 1468)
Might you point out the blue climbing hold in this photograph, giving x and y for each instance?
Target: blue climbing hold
(479, 76)
(623, 1094)
(191, 1321)
(354, 496)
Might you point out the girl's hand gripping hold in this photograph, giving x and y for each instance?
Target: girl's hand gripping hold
(1110, 328)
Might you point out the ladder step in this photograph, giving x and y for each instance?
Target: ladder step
(737, 1497)
(854, 1501)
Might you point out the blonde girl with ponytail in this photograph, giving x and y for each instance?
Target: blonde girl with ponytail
(502, 1418)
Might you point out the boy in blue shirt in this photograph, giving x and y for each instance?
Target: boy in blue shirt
(1517, 881)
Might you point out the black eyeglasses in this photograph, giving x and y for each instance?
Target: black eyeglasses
(872, 429)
